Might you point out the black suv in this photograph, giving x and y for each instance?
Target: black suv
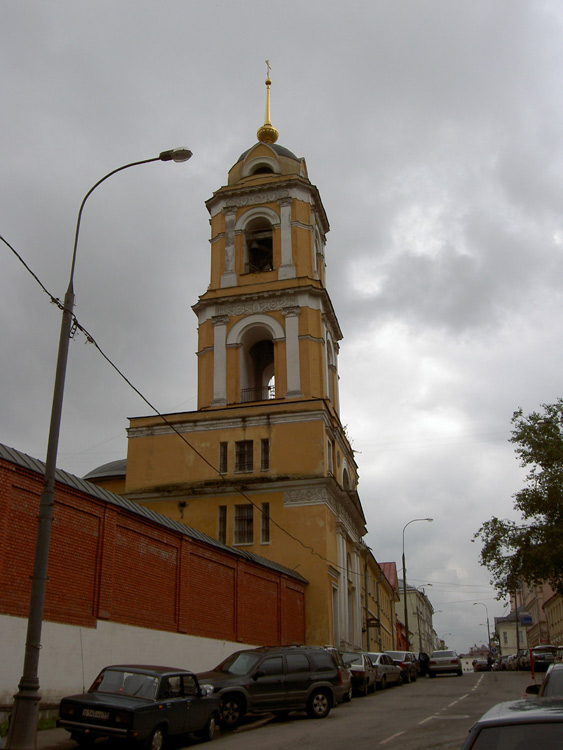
(275, 679)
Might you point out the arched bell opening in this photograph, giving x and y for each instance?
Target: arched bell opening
(257, 365)
(259, 246)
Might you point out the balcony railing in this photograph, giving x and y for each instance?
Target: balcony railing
(258, 394)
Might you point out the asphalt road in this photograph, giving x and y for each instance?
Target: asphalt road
(425, 714)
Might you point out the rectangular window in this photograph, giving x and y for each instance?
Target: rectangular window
(222, 524)
(244, 530)
(223, 461)
(505, 637)
(264, 455)
(329, 456)
(265, 524)
(243, 455)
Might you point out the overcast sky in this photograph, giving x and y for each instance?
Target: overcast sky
(434, 132)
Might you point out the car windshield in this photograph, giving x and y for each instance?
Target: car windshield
(444, 654)
(123, 682)
(396, 654)
(519, 735)
(352, 658)
(240, 663)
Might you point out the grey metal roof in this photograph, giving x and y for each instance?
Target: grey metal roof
(111, 469)
(279, 149)
(38, 467)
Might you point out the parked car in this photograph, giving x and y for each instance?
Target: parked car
(387, 672)
(275, 679)
(512, 663)
(345, 692)
(534, 723)
(524, 659)
(543, 657)
(140, 704)
(444, 662)
(552, 685)
(500, 663)
(481, 665)
(364, 674)
(407, 662)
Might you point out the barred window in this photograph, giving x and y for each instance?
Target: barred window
(222, 524)
(264, 454)
(223, 460)
(265, 524)
(243, 455)
(244, 530)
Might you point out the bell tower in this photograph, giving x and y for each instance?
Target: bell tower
(267, 329)
(264, 464)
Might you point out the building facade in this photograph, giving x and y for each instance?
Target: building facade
(379, 596)
(419, 613)
(553, 609)
(264, 464)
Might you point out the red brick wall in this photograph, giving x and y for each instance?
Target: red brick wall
(108, 563)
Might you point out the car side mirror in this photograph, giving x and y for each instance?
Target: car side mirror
(533, 689)
(204, 691)
(258, 673)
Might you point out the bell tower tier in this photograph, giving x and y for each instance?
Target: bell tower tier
(264, 464)
(266, 325)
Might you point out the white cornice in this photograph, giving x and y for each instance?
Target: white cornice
(233, 423)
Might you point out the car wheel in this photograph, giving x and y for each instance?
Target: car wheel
(371, 687)
(208, 731)
(460, 673)
(233, 711)
(383, 682)
(318, 705)
(156, 739)
(347, 697)
(413, 677)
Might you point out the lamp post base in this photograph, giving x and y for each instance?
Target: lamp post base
(22, 730)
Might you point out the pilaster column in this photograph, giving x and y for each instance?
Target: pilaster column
(345, 637)
(291, 315)
(229, 277)
(286, 269)
(219, 360)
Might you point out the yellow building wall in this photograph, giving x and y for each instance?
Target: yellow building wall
(166, 460)
(314, 525)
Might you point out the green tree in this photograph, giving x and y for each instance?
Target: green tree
(531, 550)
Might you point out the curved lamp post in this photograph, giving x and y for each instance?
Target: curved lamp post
(488, 628)
(22, 733)
(405, 579)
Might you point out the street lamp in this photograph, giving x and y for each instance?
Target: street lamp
(22, 733)
(488, 628)
(405, 577)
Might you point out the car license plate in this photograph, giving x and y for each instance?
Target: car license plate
(91, 714)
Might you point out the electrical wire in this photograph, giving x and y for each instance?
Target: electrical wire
(232, 485)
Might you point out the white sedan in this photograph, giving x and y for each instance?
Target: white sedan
(388, 673)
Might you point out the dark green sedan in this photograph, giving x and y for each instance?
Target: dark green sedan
(143, 704)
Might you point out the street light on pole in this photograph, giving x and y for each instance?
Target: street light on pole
(22, 733)
(405, 578)
(488, 628)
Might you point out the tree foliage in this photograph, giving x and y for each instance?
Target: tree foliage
(531, 550)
